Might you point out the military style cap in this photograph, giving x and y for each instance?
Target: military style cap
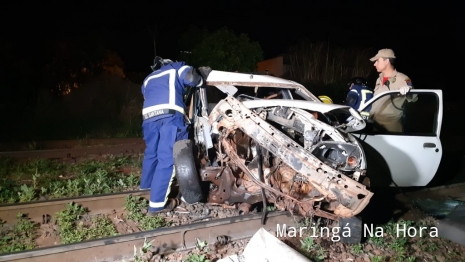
(385, 53)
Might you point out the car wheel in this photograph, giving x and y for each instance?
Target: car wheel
(186, 172)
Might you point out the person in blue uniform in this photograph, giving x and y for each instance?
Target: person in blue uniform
(360, 93)
(164, 124)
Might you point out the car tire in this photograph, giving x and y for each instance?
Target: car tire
(189, 182)
(355, 225)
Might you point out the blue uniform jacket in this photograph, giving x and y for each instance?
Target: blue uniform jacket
(358, 96)
(164, 89)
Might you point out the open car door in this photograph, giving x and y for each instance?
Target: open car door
(411, 157)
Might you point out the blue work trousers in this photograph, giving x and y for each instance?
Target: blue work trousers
(158, 165)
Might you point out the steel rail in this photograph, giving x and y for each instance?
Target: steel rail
(41, 211)
(76, 152)
(165, 240)
(62, 144)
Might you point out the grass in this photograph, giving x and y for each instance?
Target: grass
(137, 208)
(51, 179)
(388, 245)
(200, 253)
(20, 237)
(75, 226)
(312, 249)
(143, 255)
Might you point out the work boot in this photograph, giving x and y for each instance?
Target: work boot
(171, 204)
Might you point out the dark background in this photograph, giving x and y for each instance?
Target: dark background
(427, 37)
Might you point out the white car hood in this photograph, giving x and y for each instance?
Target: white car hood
(242, 79)
(225, 81)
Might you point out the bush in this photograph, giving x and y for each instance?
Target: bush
(106, 106)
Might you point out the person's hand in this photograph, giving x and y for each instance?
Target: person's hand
(404, 90)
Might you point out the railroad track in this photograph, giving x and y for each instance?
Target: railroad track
(67, 144)
(128, 148)
(39, 211)
(166, 240)
(75, 149)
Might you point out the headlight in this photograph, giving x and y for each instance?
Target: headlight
(352, 161)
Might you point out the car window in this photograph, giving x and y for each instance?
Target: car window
(419, 116)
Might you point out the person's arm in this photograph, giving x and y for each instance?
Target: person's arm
(190, 77)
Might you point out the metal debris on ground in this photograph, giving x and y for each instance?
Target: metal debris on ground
(452, 226)
(264, 247)
(437, 208)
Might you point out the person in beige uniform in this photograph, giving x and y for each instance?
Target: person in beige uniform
(387, 111)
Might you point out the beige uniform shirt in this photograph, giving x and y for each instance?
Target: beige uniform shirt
(384, 110)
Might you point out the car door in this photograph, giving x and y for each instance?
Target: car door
(412, 156)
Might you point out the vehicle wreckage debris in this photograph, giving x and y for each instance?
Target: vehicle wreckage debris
(240, 128)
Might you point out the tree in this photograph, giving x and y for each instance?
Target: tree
(224, 50)
(72, 63)
(192, 37)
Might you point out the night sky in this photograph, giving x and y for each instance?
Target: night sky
(426, 37)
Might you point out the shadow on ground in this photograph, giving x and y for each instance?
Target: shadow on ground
(451, 169)
(383, 206)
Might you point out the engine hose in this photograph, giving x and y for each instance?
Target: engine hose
(261, 176)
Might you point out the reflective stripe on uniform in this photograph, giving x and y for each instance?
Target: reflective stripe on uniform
(161, 107)
(172, 92)
(168, 191)
(364, 97)
(182, 70)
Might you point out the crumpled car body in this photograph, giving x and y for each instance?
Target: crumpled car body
(293, 153)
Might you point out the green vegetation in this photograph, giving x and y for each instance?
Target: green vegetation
(197, 258)
(104, 106)
(312, 249)
(389, 246)
(198, 254)
(75, 226)
(81, 90)
(51, 179)
(137, 208)
(20, 237)
(143, 255)
(222, 49)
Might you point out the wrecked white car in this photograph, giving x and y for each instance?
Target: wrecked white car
(278, 143)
